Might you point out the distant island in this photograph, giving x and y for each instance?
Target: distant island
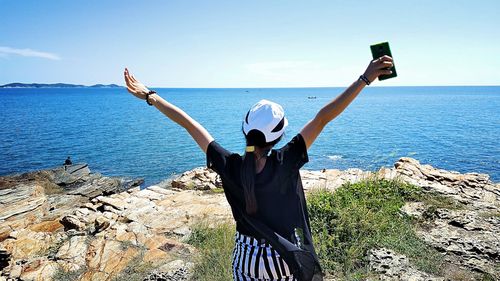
(57, 85)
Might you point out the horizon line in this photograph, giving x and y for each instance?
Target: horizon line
(264, 87)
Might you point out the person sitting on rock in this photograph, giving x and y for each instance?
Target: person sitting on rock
(68, 161)
(263, 186)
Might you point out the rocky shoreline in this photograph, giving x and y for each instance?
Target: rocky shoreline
(70, 224)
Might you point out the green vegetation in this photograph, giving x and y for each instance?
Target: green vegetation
(217, 190)
(216, 246)
(365, 215)
(346, 225)
(62, 275)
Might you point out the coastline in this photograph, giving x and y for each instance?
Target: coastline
(96, 227)
(109, 129)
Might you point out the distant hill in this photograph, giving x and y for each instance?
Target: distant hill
(57, 85)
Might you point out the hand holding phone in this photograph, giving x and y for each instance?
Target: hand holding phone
(378, 52)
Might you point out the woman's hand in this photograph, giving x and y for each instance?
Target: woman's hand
(134, 86)
(378, 67)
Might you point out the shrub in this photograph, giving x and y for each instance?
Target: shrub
(361, 216)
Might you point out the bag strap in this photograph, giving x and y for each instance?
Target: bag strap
(286, 249)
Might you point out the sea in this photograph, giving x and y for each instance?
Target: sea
(453, 128)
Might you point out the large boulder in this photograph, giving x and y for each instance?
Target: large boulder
(198, 179)
(473, 189)
(21, 205)
(69, 174)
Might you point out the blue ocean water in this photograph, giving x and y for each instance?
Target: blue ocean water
(454, 128)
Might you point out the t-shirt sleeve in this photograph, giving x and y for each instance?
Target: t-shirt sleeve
(294, 154)
(217, 158)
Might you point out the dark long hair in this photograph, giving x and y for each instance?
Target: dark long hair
(253, 138)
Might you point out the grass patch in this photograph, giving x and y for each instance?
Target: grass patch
(365, 215)
(216, 246)
(217, 190)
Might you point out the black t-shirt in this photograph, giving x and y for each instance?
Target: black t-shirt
(278, 188)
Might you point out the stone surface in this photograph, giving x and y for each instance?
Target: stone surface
(21, 205)
(39, 269)
(392, 266)
(72, 222)
(71, 255)
(103, 226)
(108, 256)
(467, 239)
(69, 174)
(176, 270)
(198, 179)
(473, 189)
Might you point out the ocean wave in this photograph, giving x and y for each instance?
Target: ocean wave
(334, 157)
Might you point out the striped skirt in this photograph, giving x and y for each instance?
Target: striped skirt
(253, 260)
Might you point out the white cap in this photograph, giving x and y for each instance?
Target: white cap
(265, 116)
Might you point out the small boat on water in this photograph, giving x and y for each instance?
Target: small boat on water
(312, 97)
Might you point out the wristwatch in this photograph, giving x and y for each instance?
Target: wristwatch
(147, 97)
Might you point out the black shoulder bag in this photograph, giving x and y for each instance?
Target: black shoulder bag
(304, 264)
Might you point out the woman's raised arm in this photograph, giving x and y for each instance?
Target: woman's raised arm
(199, 134)
(314, 127)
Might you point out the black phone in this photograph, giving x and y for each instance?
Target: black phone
(382, 49)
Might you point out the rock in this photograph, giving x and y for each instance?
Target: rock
(90, 206)
(29, 198)
(72, 222)
(468, 232)
(72, 253)
(128, 184)
(414, 209)
(107, 227)
(93, 275)
(21, 205)
(475, 190)
(69, 174)
(27, 244)
(182, 231)
(16, 272)
(113, 202)
(467, 239)
(108, 256)
(172, 271)
(160, 190)
(47, 226)
(63, 204)
(96, 185)
(198, 179)
(392, 266)
(331, 179)
(101, 223)
(150, 194)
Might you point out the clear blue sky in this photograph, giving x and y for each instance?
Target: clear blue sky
(248, 43)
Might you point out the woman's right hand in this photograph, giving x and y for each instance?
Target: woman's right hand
(378, 67)
(134, 86)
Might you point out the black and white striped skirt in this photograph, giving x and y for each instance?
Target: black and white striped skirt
(253, 260)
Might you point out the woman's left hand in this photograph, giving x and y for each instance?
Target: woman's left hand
(378, 67)
(134, 86)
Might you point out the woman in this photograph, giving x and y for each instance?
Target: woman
(273, 238)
